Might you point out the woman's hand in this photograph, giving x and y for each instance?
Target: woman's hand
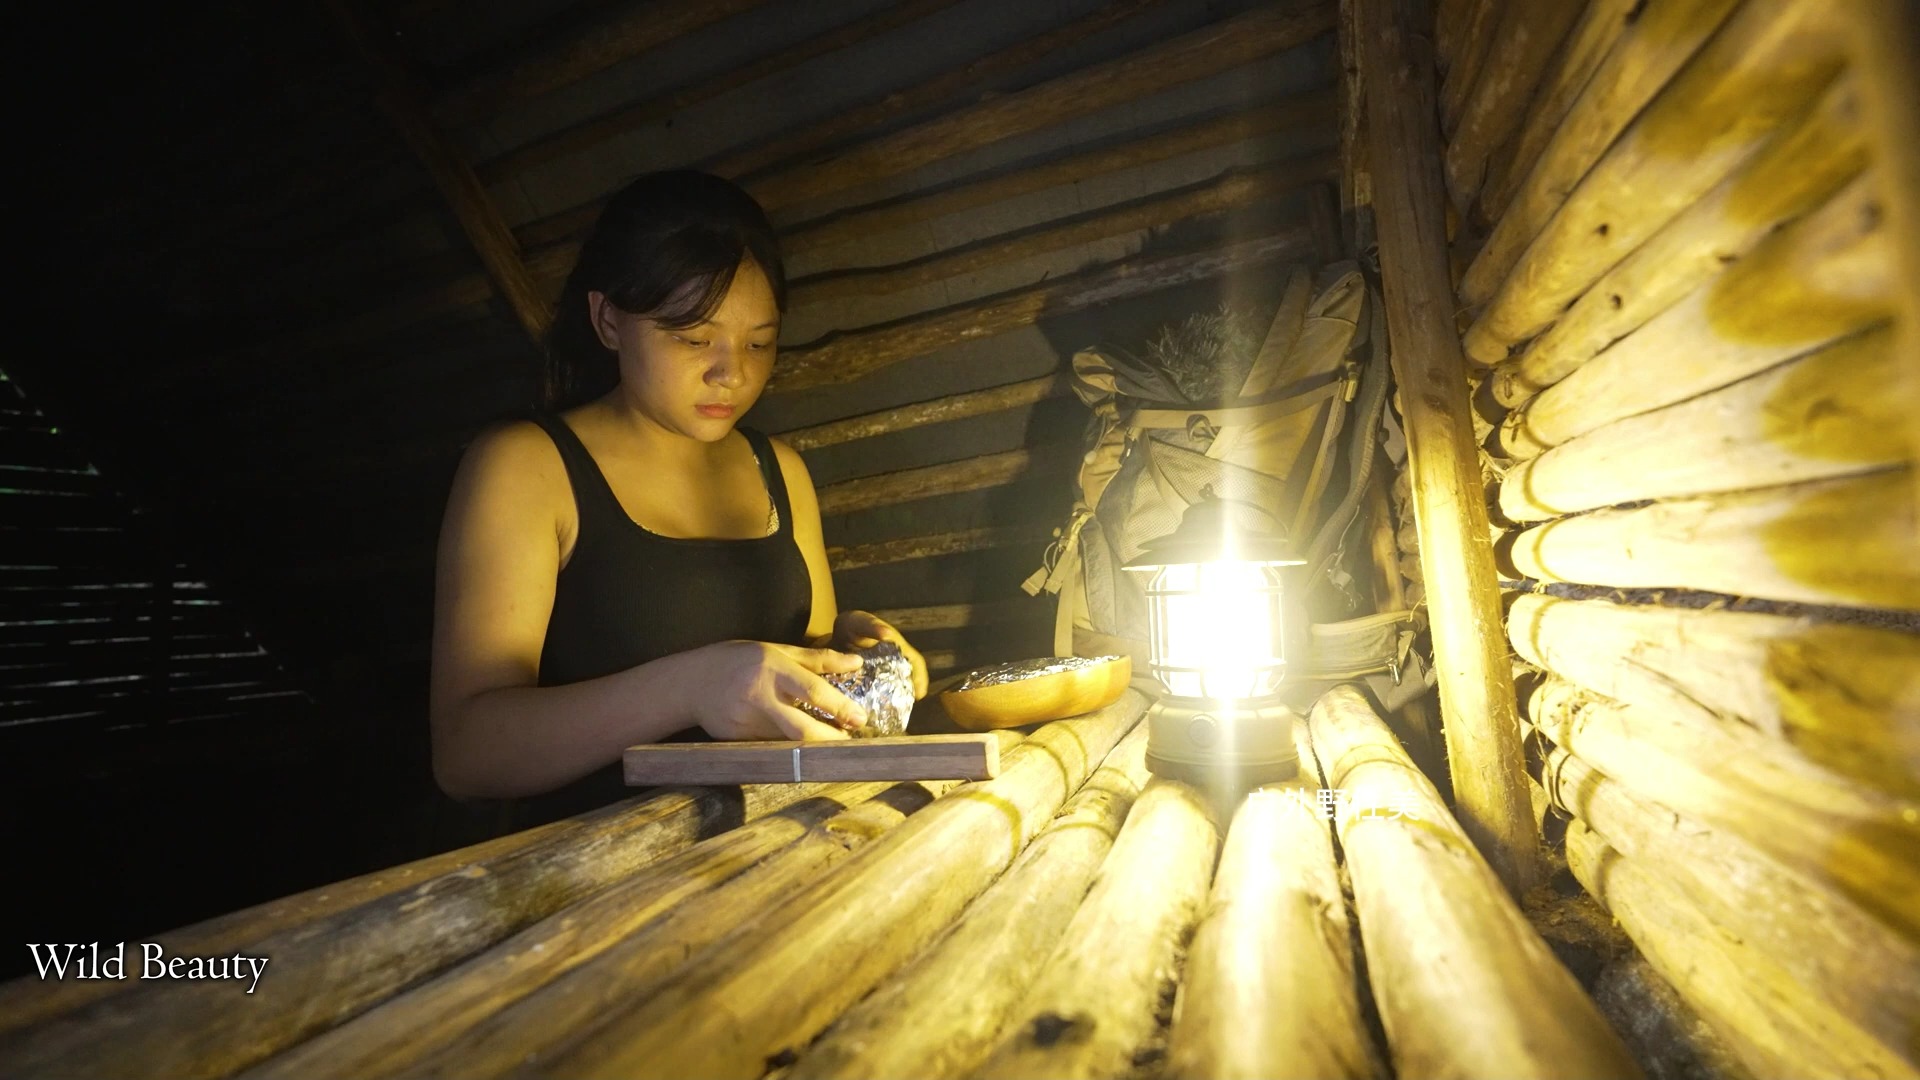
(747, 690)
(863, 630)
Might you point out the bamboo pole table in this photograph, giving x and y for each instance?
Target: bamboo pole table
(1072, 916)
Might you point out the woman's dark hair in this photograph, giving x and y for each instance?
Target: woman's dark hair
(666, 247)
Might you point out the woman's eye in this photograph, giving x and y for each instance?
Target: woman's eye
(698, 343)
(761, 345)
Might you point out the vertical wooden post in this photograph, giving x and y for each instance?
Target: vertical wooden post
(1456, 556)
(487, 230)
(1886, 53)
(1356, 183)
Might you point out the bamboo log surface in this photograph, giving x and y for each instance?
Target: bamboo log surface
(1798, 170)
(399, 1034)
(1587, 46)
(870, 916)
(519, 1031)
(1476, 690)
(921, 413)
(337, 965)
(848, 355)
(1840, 963)
(1274, 943)
(1830, 270)
(905, 485)
(1856, 841)
(1449, 22)
(1232, 190)
(555, 240)
(1654, 45)
(1738, 990)
(1761, 71)
(936, 1018)
(952, 616)
(553, 244)
(1822, 416)
(1845, 698)
(587, 134)
(1471, 41)
(1439, 930)
(968, 80)
(591, 49)
(1884, 33)
(1093, 1009)
(1299, 113)
(934, 545)
(1526, 39)
(1206, 51)
(1846, 541)
(23, 1004)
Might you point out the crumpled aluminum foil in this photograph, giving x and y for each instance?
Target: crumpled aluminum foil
(883, 686)
(1016, 670)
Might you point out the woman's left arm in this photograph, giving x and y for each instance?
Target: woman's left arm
(829, 625)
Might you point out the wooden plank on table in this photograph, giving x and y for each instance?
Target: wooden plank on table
(898, 757)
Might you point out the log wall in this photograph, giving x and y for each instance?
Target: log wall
(1682, 291)
(335, 302)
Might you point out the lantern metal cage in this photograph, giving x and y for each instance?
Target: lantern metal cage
(1218, 629)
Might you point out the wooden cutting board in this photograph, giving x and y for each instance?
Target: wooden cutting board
(898, 757)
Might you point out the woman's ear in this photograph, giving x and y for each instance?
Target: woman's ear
(605, 317)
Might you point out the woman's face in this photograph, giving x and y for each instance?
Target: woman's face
(699, 380)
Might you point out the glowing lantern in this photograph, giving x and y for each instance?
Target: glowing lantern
(1218, 626)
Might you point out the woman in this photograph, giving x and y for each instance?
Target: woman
(636, 566)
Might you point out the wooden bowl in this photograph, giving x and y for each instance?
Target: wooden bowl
(1086, 684)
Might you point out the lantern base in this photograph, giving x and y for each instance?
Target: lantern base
(1217, 745)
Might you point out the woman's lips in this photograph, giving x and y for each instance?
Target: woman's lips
(718, 412)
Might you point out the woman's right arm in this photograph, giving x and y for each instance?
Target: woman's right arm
(496, 731)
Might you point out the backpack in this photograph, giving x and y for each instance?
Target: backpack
(1266, 432)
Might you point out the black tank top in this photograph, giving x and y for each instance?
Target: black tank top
(627, 596)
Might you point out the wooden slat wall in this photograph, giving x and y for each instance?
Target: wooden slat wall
(1680, 288)
(105, 637)
(970, 190)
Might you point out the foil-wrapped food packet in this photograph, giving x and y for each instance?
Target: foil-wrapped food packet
(883, 686)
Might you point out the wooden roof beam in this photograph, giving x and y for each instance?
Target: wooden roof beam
(400, 97)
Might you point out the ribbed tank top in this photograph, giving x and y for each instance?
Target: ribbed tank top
(627, 596)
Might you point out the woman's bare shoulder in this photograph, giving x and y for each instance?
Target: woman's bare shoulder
(514, 447)
(513, 460)
(791, 463)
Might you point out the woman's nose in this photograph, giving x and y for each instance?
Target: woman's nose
(726, 369)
